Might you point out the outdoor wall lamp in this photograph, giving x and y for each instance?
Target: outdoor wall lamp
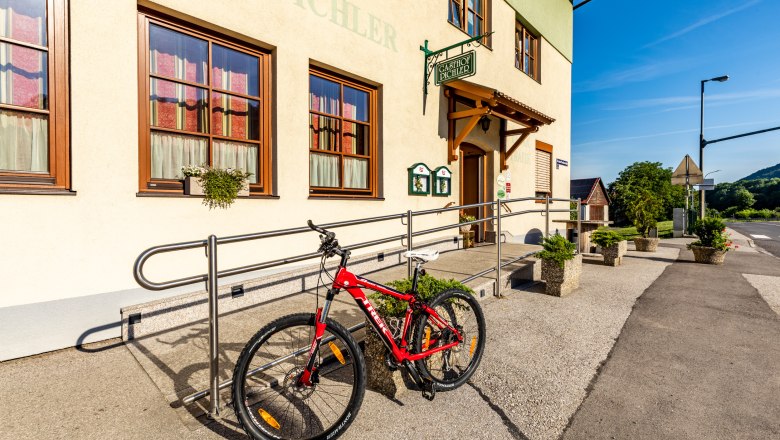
(484, 122)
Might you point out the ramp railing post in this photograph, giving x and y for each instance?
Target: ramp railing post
(213, 292)
(409, 242)
(547, 216)
(498, 248)
(579, 225)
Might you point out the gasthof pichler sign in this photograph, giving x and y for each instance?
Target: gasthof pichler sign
(457, 67)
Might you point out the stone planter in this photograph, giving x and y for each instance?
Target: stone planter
(613, 255)
(560, 281)
(646, 244)
(380, 379)
(708, 255)
(192, 187)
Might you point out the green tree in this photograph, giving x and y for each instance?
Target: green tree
(743, 198)
(644, 210)
(644, 176)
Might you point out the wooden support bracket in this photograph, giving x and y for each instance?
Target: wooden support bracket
(476, 114)
(507, 153)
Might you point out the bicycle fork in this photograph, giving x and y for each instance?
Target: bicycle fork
(309, 375)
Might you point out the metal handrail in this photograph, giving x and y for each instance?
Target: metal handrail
(211, 278)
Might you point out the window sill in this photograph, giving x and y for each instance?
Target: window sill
(184, 196)
(38, 192)
(361, 198)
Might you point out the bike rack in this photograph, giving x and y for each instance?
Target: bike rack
(212, 276)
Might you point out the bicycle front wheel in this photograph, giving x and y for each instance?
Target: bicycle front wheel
(267, 399)
(451, 368)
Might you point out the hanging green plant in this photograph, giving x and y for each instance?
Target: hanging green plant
(220, 186)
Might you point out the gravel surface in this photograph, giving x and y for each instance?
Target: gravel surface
(542, 353)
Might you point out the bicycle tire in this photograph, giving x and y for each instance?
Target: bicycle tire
(258, 418)
(446, 304)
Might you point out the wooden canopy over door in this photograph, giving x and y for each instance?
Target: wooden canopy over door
(487, 101)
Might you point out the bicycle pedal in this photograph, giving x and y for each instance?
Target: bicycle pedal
(428, 390)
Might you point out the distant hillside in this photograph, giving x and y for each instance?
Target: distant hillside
(766, 173)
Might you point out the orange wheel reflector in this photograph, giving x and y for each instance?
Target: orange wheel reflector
(337, 353)
(473, 346)
(269, 419)
(427, 338)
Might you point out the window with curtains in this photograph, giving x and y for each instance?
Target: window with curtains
(470, 16)
(527, 51)
(342, 136)
(34, 150)
(204, 101)
(543, 169)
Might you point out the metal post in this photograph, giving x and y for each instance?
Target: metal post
(579, 225)
(409, 241)
(547, 216)
(498, 248)
(213, 327)
(702, 144)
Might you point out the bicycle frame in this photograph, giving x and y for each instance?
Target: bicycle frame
(354, 284)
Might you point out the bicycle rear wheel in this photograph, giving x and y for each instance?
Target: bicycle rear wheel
(267, 400)
(451, 368)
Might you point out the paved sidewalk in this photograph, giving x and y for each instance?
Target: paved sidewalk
(541, 354)
(698, 358)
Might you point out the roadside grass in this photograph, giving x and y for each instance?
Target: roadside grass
(664, 230)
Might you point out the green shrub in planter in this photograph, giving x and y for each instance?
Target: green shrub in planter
(605, 237)
(557, 249)
(712, 233)
(427, 288)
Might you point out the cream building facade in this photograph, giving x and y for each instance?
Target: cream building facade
(325, 77)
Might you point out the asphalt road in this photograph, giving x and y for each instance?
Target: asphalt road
(697, 359)
(766, 235)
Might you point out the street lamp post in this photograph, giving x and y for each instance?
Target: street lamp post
(702, 142)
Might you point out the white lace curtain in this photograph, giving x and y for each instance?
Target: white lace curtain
(236, 155)
(324, 171)
(171, 151)
(24, 142)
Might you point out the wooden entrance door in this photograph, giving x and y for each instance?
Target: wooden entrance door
(472, 177)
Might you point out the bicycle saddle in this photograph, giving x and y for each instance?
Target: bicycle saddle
(422, 254)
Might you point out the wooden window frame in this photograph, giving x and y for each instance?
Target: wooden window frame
(373, 162)
(521, 32)
(264, 185)
(58, 179)
(463, 9)
(543, 146)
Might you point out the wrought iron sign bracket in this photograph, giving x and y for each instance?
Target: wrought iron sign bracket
(431, 56)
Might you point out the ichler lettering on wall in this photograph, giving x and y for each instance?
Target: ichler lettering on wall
(352, 18)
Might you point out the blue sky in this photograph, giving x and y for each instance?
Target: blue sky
(636, 73)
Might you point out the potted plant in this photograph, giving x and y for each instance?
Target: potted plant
(192, 173)
(465, 218)
(561, 267)
(644, 210)
(612, 244)
(220, 187)
(380, 377)
(713, 242)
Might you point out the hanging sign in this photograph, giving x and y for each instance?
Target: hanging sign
(457, 67)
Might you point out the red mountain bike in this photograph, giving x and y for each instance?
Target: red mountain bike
(303, 376)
